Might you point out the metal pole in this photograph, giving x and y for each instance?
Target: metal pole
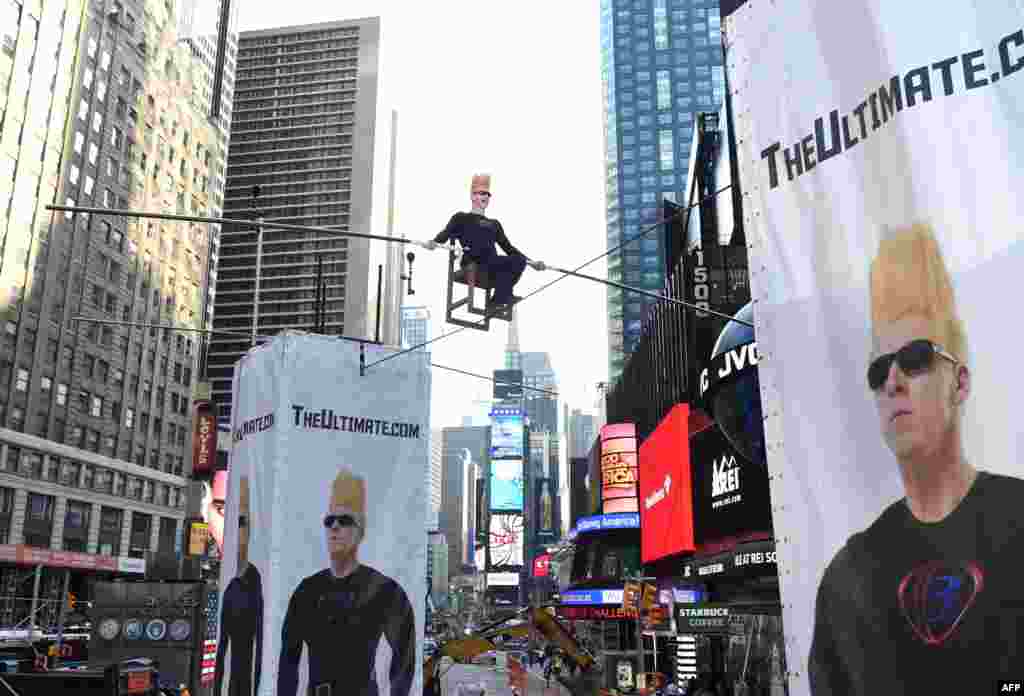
(35, 601)
(321, 296)
(259, 268)
(380, 280)
(63, 607)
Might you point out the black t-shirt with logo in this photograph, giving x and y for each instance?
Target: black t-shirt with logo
(913, 608)
(477, 235)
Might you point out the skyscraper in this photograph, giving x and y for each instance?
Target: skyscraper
(582, 430)
(661, 62)
(435, 471)
(210, 30)
(513, 358)
(415, 327)
(303, 132)
(465, 456)
(541, 407)
(97, 109)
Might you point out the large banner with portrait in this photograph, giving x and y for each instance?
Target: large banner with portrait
(324, 544)
(881, 160)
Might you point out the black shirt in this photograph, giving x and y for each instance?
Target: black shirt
(913, 608)
(241, 625)
(341, 621)
(477, 235)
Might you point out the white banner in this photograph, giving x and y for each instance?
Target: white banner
(881, 159)
(333, 522)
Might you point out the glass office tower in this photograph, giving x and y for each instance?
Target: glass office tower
(661, 63)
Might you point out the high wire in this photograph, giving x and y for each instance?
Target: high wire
(267, 225)
(642, 233)
(248, 337)
(403, 240)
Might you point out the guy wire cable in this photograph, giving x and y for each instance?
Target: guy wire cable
(250, 225)
(491, 379)
(247, 337)
(642, 233)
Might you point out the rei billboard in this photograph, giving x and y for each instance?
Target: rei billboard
(324, 547)
(881, 149)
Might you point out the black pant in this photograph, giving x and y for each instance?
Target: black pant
(505, 272)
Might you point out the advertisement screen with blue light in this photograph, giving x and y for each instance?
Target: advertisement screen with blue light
(506, 434)
(507, 485)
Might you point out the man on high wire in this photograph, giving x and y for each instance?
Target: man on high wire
(478, 235)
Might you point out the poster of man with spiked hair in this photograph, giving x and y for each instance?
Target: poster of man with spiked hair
(335, 466)
(883, 177)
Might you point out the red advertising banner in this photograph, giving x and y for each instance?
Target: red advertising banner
(541, 565)
(31, 555)
(586, 613)
(204, 440)
(666, 489)
(618, 468)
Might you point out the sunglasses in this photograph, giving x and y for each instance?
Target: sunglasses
(481, 193)
(914, 358)
(340, 521)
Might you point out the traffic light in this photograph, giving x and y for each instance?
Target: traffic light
(72, 601)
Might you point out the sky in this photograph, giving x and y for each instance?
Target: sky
(513, 89)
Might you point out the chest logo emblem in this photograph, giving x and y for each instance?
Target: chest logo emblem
(935, 596)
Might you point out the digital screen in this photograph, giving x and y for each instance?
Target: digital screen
(618, 468)
(507, 485)
(502, 579)
(506, 435)
(508, 384)
(506, 540)
(666, 491)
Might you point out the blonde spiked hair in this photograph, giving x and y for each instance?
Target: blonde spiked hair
(909, 277)
(349, 490)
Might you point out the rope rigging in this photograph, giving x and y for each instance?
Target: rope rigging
(653, 226)
(265, 226)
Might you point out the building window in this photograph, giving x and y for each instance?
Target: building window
(76, 526)
(39, 520)
(111, 524)
(666, 147)
(168, 530)
(664, 88)
(69, 473)
(139, 541)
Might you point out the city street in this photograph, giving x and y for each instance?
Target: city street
(496, 681)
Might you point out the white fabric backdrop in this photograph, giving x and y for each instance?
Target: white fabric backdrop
(953, 162)
(291, 470)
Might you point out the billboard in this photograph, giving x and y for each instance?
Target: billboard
(319, 489)
(507, 485)
(508, 384)
(506, 540)
(542, 565)
(503, 579)
(507, 439)
(204, 439)
(884, 192)
(731, 498)
(595, 523)
(666, 493)
(618, 468)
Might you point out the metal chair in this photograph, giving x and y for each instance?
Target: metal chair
(473, 278)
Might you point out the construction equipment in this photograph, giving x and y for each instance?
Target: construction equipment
(532, 618)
